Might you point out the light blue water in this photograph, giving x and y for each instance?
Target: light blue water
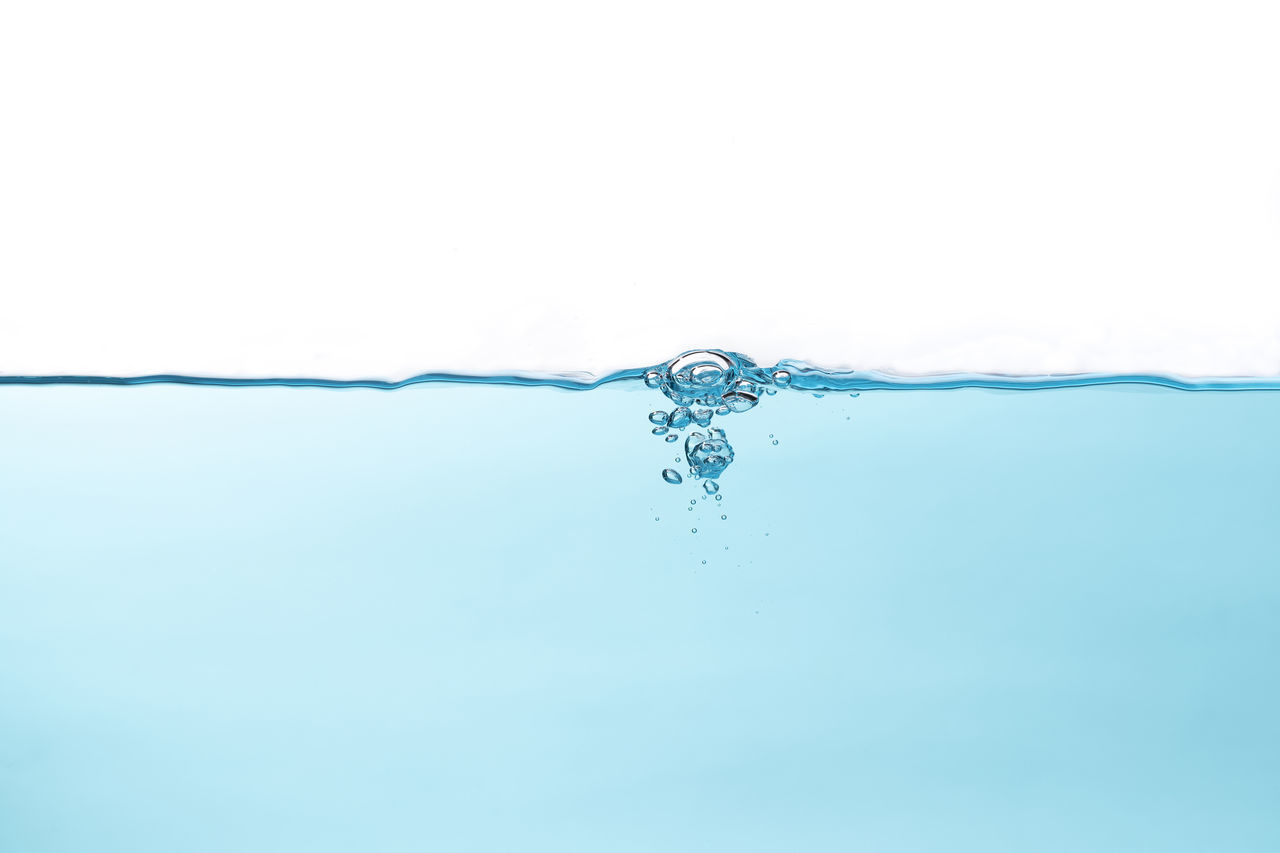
(475, 617)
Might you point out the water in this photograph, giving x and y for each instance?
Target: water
(475, 617)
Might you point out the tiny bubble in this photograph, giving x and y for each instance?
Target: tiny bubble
(704, 562)
(723, 517)
(695, 530)
(775, 441)
(718, 497)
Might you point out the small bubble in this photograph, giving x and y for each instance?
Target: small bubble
(854, 395)
(659, 418)
(660, 430)
(695, 530)
(819, 396)
(771, 391)
(671, 476)
(718, 497)
(677, 458)
(679, 418)
(702, 417)
(673, 437)
(652, 378)
(704, 562)
(723, 517)
(722, 410)
(770, 435)
(711, 487)
(781, 378)
(693, 503)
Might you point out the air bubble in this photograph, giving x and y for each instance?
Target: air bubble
(708, 454)
(781, 378)
(706, 374)
(711, 487)
(659, 418)
(718, 497)
(653, 378)
(775, 441)
(660, 430)
(723, 517)
(679, 418)
(702, 417)
(673, 437)
(672, 476)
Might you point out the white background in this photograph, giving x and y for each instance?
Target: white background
(380, 189)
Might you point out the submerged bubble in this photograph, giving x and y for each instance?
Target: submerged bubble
(781, 378)
(658, 417)
(672, 476)
(673, 437)
(775, 441)
(694, 530)
(711, 487)
(708, 454)
(659, 430)
(702, 417)
(653, 378)
(679, 418)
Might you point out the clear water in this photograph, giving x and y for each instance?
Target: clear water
(477, 617)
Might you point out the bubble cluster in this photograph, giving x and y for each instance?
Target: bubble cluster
(713, 379)
(708, 454)
(703, 385)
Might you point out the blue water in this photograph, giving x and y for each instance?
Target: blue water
(474, 617)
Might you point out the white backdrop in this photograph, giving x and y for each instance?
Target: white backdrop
(379, 189)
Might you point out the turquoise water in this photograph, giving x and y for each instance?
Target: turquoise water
(475, 617)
